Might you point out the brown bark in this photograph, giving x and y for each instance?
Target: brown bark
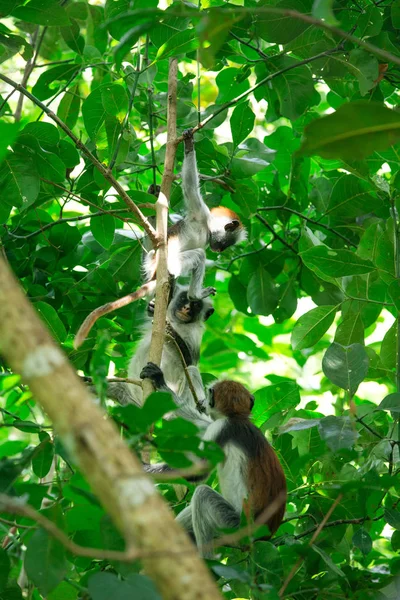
(114, 473)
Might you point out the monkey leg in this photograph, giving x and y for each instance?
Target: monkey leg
(210, 511)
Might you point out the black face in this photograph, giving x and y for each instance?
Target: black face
(187, 311)
(221, 239)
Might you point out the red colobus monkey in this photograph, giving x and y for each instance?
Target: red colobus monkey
(201, 227)
(219, 228)
(251, 472)
(185, 324)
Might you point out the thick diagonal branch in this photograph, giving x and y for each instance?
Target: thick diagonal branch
(93, 442)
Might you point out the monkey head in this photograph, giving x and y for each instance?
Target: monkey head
(183, 310)
(226, 229)
(229, 399)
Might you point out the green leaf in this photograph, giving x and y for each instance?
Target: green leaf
(392, 516)
(395, 14)
(49, 315)
(42, 12)
(389, 348)
(242, 122)
(129, 39)
(45, 561)
(125, 263)
(338, 432)
(365, 66)
(228, 85)
(8, 133)
(115, 100)
(363, 541)
(346, 366)
(246, 197)
(351, 330)
(12, 447)
(274, 399)
(103, 229)
(94, 112)
(183, 42)
(311, 327)
(395, 540)
(294, 88)
(72, 37)
(103, 586)
(43, 456)
(8, 6)
(280, 28)
(45, 85)
(394, 293)
(5, 567)
(68, 109)
(328, 561)
(335, 263)
(350, 197)
(391, 402)
(262, 295)
(19, 182)
(323, 9)
(353, 132)
(141, 418)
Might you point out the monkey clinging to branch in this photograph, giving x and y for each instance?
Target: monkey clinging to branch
(201, 227)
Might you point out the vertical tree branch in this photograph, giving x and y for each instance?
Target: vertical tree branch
(93, 442)
(162, 289)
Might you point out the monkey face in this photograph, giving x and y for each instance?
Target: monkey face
(190, 311)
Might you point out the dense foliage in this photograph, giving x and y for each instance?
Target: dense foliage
(301, 142)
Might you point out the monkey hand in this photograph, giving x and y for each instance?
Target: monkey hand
(208, 291)
(153, 372)
(188, 138)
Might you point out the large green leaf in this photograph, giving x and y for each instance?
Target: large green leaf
(312, 326)
(52, 320)
(335, 263)
(42, 12)
(262, 295)
(354, 131)
(346, 366)
(45, 561)
(242, 122)
(43, 455)
(338, 432)
(274, 399)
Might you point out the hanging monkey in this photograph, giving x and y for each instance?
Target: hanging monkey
(201, 227)
(251, 474)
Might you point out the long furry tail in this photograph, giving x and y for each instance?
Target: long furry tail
(91, 319)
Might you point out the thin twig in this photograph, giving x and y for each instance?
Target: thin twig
(137, 382)
(101, 213)
(318, 530)
(185, 369)
(14, 505)
(309, 220)
(136, 75)
(277, 236)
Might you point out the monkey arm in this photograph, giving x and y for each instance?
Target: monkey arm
(196, 207)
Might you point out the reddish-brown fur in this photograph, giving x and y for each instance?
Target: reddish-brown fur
(232, 399)
(222, 211)
(266, 480)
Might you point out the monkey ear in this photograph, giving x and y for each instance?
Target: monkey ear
(251, 401)
(232, 225)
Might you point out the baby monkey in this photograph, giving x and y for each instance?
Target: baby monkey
(251, 475)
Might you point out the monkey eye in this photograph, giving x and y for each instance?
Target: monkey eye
(212, 399)
(232, 225)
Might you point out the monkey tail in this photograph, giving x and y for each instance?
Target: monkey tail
(91, 319)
